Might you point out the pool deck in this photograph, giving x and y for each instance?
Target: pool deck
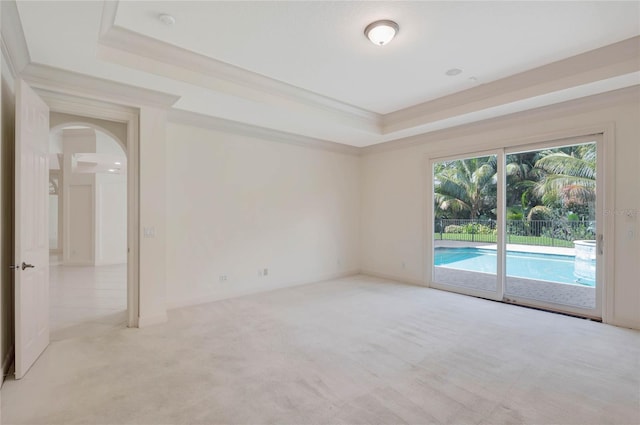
(537, 249)
(515, 287)
(551, 292)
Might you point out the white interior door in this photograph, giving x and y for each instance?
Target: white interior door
(32, 228)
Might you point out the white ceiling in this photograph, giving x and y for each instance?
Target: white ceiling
(338, 84)
(320, 46)
(98, 163)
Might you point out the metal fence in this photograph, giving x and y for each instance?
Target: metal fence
(527, 232)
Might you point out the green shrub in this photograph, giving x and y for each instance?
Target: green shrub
(573, 216)
(514, 213)
(452, 228)
(478, 229)
(475, 228)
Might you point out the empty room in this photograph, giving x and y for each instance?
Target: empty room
(318, 212)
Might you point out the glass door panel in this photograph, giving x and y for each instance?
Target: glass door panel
(551, 226)
(465, 204)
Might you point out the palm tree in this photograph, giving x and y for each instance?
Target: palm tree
(569, 175)
(466, 188)
(521, 178)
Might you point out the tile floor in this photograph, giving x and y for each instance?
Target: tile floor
(87, 300)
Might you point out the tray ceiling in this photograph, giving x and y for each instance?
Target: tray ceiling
(306, 68)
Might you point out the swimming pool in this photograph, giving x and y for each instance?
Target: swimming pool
(528, 265)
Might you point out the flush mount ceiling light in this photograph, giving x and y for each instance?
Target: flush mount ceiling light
(381, 32)
(167, 19)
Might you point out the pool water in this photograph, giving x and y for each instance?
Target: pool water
(528, 265)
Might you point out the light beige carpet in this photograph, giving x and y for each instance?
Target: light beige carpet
(356, 350)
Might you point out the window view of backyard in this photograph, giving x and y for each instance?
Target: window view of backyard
(550, 224)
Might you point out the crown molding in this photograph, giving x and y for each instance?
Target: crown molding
(486, 101)
(596, 71)
(99, 111)
(584, 104)
(126, 47)
(14, 44)
(7, 62)
(179, 116)
(523, 90)
(108, 18)
(604, 63)
(54, 79)
(527, 104)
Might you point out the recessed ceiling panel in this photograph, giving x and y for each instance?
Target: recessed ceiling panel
(321, 47)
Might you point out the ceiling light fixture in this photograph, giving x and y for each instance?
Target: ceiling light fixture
(112, 170)
(453, 72)
(117, 163)
(167, 19)
(381, 32)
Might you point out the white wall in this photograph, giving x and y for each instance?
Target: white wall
(53, 221)
(394, 191)
(111, 219)
(236, 204)
(95, 209)
(111, 207)
(153, 240)
(78, 228)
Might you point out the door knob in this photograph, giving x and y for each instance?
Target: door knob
(27, 266)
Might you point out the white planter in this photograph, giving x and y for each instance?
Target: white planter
(585, 260)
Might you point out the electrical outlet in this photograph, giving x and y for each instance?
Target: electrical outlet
(149, 232)
(631, 232)
(404, 265)
(223, 278)
(265, 272)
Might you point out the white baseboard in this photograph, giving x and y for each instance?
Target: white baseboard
(394, 278)
(93, 263)
(144, 321)
(78, 263)
(630, 324)
(7, 362)
(204, 299)
(111, 263)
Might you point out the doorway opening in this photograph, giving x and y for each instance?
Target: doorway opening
(87, 229)
(38, 114)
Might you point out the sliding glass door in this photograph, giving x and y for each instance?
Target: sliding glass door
(520, 225)
(551, 227)
(466, 255)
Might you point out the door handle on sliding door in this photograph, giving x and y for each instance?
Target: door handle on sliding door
(600, 244)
